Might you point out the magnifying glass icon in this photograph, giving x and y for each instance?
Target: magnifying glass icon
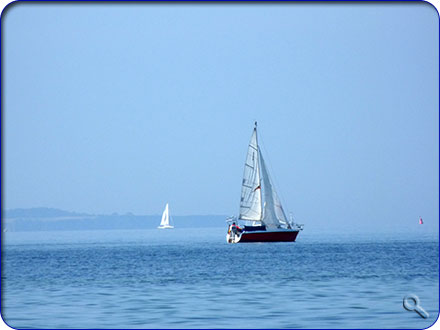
(412, 303)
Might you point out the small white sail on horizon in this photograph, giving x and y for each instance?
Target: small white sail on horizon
(165, 222)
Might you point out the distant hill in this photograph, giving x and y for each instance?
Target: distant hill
(40, 212)
(42, 219)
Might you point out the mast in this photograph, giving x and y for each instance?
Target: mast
(259, 173)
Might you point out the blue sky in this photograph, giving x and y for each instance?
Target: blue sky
(124, 107)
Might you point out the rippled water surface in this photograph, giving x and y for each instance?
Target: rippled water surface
(187, 278)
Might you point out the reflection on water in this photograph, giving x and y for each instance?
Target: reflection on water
(187, 278)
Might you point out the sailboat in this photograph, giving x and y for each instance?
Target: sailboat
(260, 207)
(165, 222)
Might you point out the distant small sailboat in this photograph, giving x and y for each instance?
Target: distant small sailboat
(420, 221)
(165, 222)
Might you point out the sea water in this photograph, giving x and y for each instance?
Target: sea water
(190, 278)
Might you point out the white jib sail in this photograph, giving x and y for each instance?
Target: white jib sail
(250, 202)
(274, 216)
(165, 217)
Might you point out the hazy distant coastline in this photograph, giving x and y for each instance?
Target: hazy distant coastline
(52, 219)
(42, 219)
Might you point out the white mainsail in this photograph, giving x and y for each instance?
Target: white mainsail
(251, 205)
(250, 202)
(165, 222)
